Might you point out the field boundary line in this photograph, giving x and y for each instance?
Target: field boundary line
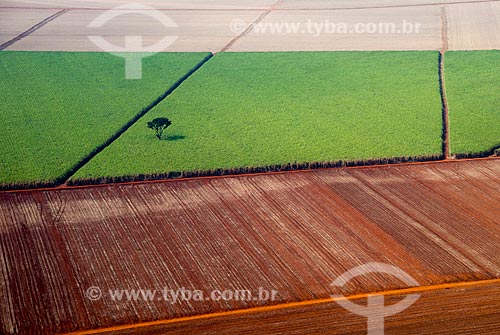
(243, 175)
(442, 85)
(250, 27)
(444, 29)
(278, 9)
(288, 305)
(280, 167)
(33, 29)
(64, 178)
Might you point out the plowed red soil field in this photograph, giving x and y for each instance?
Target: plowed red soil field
(293, 232)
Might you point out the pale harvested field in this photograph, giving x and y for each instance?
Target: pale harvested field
(343, 4)
(229, 4)
(291, 232)
(206, 25)
(165, 4)
(306, 37)
(15, 21)
(474, 26)
(195, 31)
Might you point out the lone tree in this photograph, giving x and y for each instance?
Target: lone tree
(159, 125)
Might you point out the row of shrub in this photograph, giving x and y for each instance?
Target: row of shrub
(29, 185)
(296, 166)
(495, 151)
(254, 170)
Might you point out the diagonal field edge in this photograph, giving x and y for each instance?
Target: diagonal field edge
(32, 29)
(251, 26)
(64, 178)
(403, 291)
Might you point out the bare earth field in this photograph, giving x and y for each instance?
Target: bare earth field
(209, 25)
(462, 317)
(292, 232)
(474, 26)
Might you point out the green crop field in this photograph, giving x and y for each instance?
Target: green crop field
(473, 92)
(57, 107)
(259, 109)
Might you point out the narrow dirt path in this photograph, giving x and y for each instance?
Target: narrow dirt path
(32, 29)
(250, 26)
(442, 85)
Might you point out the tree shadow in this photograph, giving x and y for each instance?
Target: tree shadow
(175, 137)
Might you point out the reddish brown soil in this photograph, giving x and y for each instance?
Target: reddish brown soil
(474, 310)
(294, 233)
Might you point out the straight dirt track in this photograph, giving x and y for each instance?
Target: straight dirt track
(294, 233)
